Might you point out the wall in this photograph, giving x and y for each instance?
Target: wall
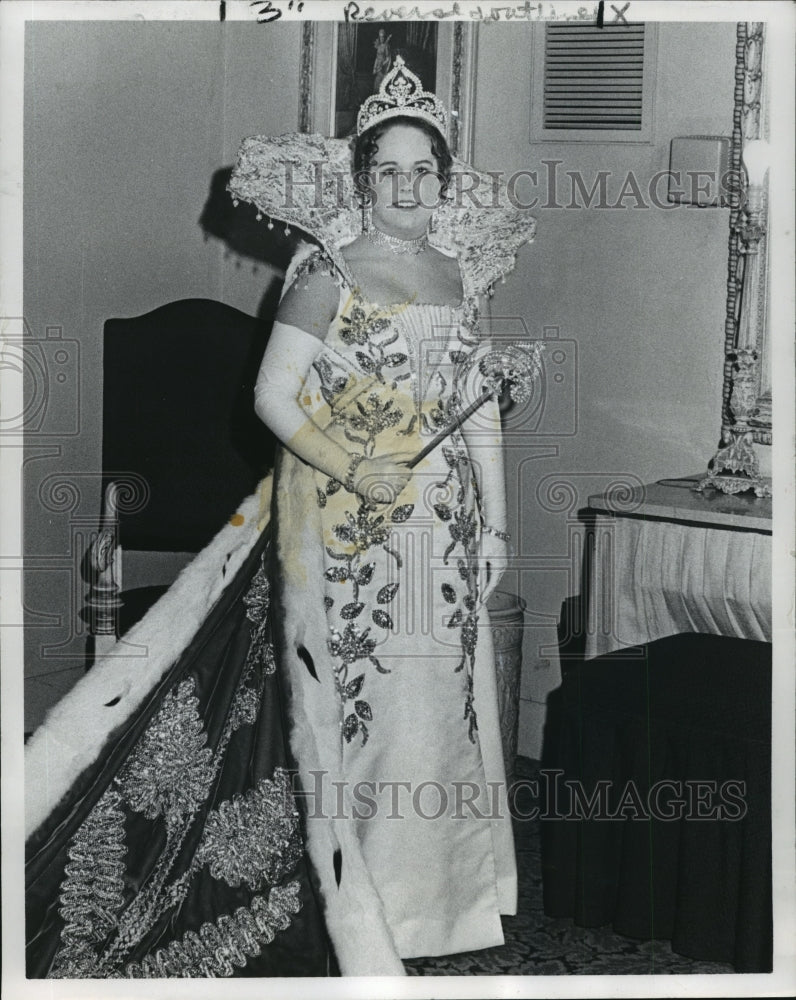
(640, 292)
(125, 125)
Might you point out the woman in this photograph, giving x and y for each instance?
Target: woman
(383, 570)
(383, 59)
(377, 663)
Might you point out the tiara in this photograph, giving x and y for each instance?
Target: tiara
(401, 93)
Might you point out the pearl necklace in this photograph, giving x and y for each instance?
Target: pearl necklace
(396, 244)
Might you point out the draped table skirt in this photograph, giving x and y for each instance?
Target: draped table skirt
(657, 747)
(652, 579)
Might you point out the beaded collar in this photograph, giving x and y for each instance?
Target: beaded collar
(305, 180)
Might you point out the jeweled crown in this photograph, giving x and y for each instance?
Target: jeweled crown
(401, 94)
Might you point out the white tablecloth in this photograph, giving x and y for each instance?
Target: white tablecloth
(651, 579)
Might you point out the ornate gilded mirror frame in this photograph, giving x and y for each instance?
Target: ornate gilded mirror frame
(746, 396)
(750, 122)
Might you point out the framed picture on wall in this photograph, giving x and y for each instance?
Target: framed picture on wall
(365, 53)
(332, 87)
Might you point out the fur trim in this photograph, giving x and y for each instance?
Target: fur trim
(353, 911)
(355, 917)
(75, 730)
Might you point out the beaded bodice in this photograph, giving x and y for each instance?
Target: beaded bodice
(397, 366)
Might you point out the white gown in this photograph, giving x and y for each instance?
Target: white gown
(387, 647)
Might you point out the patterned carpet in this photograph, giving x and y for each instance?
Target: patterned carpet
(537, 945)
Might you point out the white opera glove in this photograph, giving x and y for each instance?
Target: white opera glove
(483, 437)
(285, 366)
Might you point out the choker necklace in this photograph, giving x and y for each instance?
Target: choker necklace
(397, 245)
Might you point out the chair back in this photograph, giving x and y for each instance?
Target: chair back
(178, 411)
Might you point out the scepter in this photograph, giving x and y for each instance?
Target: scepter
(514, 367)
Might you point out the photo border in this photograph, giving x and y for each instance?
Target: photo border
(13, 15)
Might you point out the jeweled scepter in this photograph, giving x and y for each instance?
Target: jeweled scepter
(514, 367)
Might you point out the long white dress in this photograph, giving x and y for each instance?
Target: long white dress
(387, 647)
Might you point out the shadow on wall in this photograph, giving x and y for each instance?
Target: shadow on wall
(239, 230)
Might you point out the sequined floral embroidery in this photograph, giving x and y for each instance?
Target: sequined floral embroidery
(260, 660)
(91, 892)
(372, 417)
(258, 603)
(170, 769)
(463, 531)
(370, 328)
(356, 602)
(361, 609)
(254, 838)
(359, 325)
(218, 948)
(361, 532)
